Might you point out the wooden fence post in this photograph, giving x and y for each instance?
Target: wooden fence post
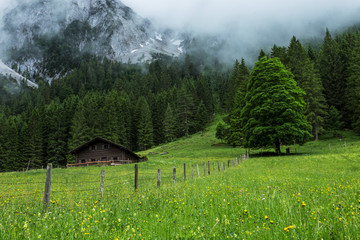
(159, 178)
(218, 166)
(102, 183)
(136, 176)
(209, 167)
(47, 188)
(229, 163)
(174, 174)
(197, 169)
(184, 171)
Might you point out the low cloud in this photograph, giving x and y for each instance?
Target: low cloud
(250, 25)
(246, 25)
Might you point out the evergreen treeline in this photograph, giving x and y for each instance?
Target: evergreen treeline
(144, 105)
(138, 106)
(330, 78)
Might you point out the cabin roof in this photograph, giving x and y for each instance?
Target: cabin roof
(89, 143)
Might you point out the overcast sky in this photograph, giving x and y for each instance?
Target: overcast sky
(210, 15)
(246, 24)
(251, 24)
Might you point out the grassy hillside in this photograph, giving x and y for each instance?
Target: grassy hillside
(312, 194)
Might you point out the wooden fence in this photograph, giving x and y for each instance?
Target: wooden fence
(176, 174)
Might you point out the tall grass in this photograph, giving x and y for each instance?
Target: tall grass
(312, 194)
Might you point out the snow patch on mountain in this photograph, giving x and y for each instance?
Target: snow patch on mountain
(116, 31)
(158, 36)
(6, 71)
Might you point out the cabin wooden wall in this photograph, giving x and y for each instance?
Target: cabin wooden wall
(101, 154)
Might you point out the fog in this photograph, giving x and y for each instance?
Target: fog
(246, 25)
(249, 25)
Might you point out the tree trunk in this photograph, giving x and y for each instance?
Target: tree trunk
(277, 148)
(316, 132)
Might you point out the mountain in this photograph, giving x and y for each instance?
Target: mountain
(8, 72)
(49, 37)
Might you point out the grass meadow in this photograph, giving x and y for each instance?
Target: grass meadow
(311, 194)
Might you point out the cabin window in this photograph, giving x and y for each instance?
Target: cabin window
(82, 160)
(115, 158)
(103, 158)
(106, 146)
(93, 147)
(93, 160)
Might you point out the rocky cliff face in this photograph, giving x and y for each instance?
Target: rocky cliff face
(38, 31)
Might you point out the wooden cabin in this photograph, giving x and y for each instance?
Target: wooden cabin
(102, 151)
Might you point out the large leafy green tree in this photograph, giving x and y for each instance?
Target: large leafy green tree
(273, 113)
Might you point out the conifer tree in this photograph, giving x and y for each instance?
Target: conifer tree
(2, 141)
(57, 138)
(279, 52)
(80, 132)
(144, 125)
(334, 120)
(24, 148)
(315, 110)
(185, 111)
(331, 69)
(232, 84)
(169, 124)
(201, 118)
(35, 141)
(12, 157)
(308, 79)
(158, 113)
(235, 135)
(220, 131)
(204, 93)
(311, 53)
(353, 85)
(261, 54)
(126, 120)
(110, 120)
(241, 85)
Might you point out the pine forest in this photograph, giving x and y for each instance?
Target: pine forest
(145, 105)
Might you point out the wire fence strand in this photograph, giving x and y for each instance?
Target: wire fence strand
(147, 177)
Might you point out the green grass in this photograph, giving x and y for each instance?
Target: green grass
(312, 194)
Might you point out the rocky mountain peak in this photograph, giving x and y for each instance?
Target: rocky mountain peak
(36, 30)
